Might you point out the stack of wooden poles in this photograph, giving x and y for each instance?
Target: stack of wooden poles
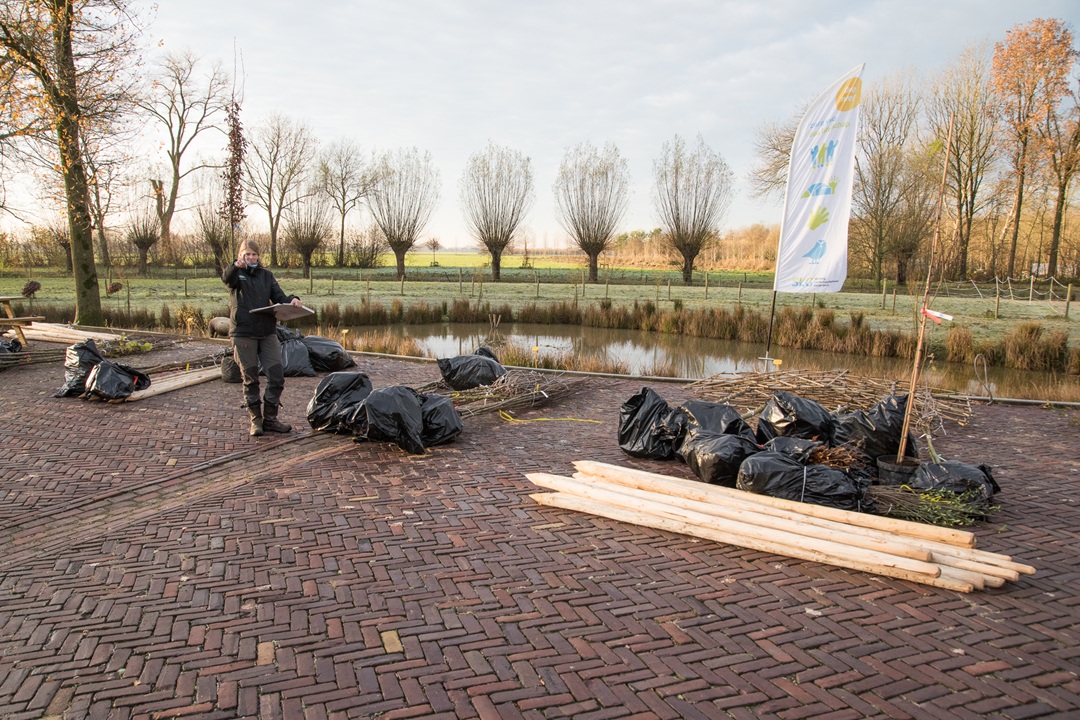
(167, 382)
(54, 332)
(942, 557)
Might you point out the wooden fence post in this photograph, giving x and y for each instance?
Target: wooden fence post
(1068, 299)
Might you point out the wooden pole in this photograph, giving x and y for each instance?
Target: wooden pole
(925, 302)
(1068, 299)
(673, 505)
(815, 551)
(715, 493)
(884, 292)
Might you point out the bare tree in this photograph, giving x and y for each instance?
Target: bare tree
(591, 194)
(887, 134)
(772, 155)
(63, 64)
(187, 103)
(143, 232)
(106, 154)
(496, 193)
(344, 179)
(404, 190)
(434, 245)
(368, 246)
(276, 169)
(963, 93)
(691, 193)
(215, 233)
(307, 227)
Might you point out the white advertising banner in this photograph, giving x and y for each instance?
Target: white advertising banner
(812, 253)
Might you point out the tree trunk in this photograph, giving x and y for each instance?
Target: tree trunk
(496, 266)
(103, 243)
(142, 260)
(1055, 238)
(400, 263)
(307, 266)
(76, 189)
(593, 262)
(341, 244)
(1014, 223)
(688, 270)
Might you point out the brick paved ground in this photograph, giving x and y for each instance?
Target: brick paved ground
(156, 562)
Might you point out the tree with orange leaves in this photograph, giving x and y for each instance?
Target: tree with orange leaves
(1030, 75)
(62, 65)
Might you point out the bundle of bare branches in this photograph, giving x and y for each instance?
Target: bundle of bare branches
(837, 390)
(29, 357)
(516, 390)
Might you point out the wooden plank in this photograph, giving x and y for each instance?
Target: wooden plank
(13, 321)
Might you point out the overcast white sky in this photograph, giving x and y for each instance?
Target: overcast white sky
(450, 75)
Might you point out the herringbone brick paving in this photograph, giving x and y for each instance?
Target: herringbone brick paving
(159, 563)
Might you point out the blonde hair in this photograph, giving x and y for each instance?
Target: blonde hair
(250, 246)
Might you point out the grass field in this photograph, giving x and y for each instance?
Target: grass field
(208, 294)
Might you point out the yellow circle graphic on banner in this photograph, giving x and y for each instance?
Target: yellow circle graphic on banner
(849, 95)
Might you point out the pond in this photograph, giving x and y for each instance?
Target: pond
(695, 358)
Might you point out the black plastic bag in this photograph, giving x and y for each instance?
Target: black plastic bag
(715, 457)
(79, 359)
(798, 449)
(777, 475)
(465, 372)
(715, 417)
(286, 333)
(335, 399)
(295, 359)
(485, 352)
(877, 431)
(789, 415)
(393, 414)
(327, 355)
(10, 345)
(230, 371)
(975, 481)
(112, 381)
(442, 421)
(649, 427)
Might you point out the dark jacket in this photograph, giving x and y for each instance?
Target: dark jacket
(250, 289)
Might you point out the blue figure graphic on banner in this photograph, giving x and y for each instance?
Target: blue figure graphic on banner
(816, 253)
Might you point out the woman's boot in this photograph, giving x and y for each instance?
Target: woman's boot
(270, 423)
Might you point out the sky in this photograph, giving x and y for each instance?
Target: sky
(450, 76)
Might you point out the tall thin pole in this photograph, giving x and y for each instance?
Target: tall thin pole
(925, 302)
(768, 338)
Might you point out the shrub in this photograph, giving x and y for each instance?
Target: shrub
(1028, 348)
(959, 345)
